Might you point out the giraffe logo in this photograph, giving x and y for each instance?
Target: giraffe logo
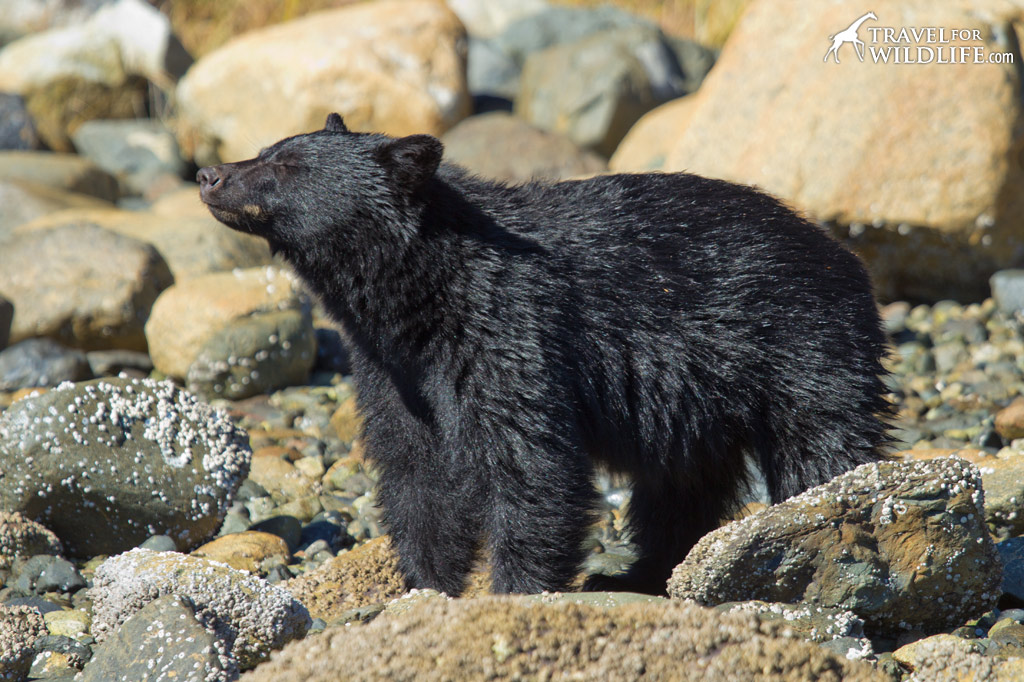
(849, 36)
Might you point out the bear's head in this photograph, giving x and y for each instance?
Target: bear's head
(327, 185)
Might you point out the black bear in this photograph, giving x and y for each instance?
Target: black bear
(507, 339)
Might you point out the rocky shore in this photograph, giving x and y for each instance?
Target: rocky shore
(183, 492)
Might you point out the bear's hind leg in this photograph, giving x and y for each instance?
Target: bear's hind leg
(541, 513)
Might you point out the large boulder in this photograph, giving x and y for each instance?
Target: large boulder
(191, 245)
(106, 464)
(915, 164)
(22, 201)
(66, 172)
(395, 66)
(901, 544)
(531, 637)
(503, 147)
(107, 61)
(79, 284)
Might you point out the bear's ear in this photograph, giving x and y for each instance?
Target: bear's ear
(335, 124)
(412, 160)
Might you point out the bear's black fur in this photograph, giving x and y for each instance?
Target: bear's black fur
(505, 340)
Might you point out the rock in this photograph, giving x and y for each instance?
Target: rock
(59, 575)
(286, 528)
(17, 131)
(1003, 480)
(618, 76)
(946, 658)
(94, 289)
(249, 616)
(244, 551)
(135, 152)
(20, 627)
(36, 363)
(395, 66)
(68, 623)
(181, 202)
(1010, 420)
(912, 656)
(346, 421)
(60, 171)
(1011, 552)
(192, 246)
(233, 334)
(280, 477)
(6, 317)
(359, 577)
(946, 205)
(110, 363)
(108, 60)
(161, 641)
(162, 543)
(643, 148)
(22, 537)
(22, 18)
(486, 18)
(1008, 290)
(526, 638)
(491, 74)
(331, 352)
(812, 623)
(901, 544)
(21, 202)
(502, 147)
(155, 460)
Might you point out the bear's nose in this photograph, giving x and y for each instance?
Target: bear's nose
(208, 178)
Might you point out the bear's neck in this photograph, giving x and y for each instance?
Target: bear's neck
(395, 298)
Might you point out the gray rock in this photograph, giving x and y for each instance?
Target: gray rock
(107, 463)
(160, 543)
(490, 71)
(16, 128)
(814, 623)
(59, 171)
(617, 77)
(1008, 290)
(20, 627)
(901, 544)
(503, 147)
(6, 317)
(253, 355)
(162, 641)
(491, 17)
(59, 575)
(41, 363)
(248, 615)
(1011, 551)
(694, 59)
(136, 152)
(93, 290)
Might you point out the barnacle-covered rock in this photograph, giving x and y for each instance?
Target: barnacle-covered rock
(249, 615)
(901, 544)
(105, 464)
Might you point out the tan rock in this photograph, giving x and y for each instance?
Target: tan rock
(183, 201)
(191, 312)
(927, 152)
(280, 477)
(192, 246)
(644, 148)
(21, 202)
(346, 420)
(359, 577)
(244, 550)
(98, 298)
(526, 637)
(714, 20)
(1010, 420)
(395, 66)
